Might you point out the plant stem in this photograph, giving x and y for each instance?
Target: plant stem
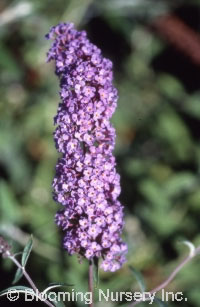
(28, 278)
(90, 282)
(171, 276)
(24, 273)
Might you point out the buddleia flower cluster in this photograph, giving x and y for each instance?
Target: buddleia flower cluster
(86, 182)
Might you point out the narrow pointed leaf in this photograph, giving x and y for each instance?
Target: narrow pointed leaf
(138, 276)
(17, 288)
(60, 284)
(18, 276)
(191, 247)
(56, 285)
(27, 251)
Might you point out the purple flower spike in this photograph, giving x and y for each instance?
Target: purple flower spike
(86, 182)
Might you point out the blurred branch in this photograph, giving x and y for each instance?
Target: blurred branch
(43, 249)
(180, 35)
(193, 252)
(9, 255)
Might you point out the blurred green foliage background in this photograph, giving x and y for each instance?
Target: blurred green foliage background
(157, 123)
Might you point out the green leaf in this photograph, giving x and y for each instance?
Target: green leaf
(27, 251)
(95, 263)
(8, 62)
(56, 285)
(191, 247)
(173, 132)
(155, 194)
(138, 276)
(17, 288)
(9, 211)
(18, 276)
(160, 303)
(191, 105)
(60, 284)
(170, 87)
(180, 183)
